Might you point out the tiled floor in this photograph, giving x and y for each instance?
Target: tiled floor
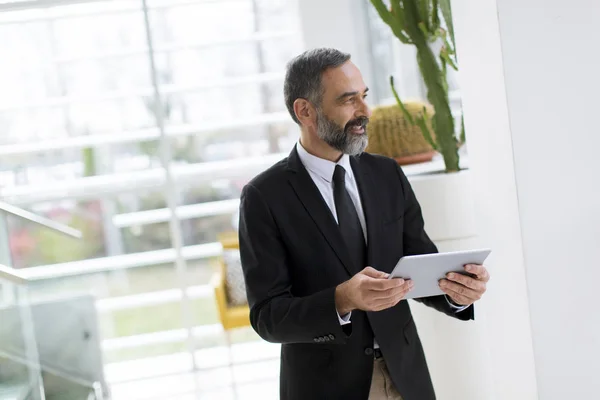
(254, 375)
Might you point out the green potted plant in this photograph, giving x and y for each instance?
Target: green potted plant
(446, 199)
(419, 23)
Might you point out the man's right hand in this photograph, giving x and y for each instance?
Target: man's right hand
(370, 290)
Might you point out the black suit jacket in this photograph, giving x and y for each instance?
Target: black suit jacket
(293, 257)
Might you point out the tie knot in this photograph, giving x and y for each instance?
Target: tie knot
(339, 175)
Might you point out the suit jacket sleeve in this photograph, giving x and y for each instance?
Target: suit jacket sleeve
(275, 313)
(416, 242)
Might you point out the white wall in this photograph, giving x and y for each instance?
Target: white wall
(552, 69)
(530, 83)
(489, 142)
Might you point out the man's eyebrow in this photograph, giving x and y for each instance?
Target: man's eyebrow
(350, 94)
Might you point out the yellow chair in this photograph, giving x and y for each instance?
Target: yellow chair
(230, 316)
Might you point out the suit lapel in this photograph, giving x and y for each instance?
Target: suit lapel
(367, 190)
(313, 202)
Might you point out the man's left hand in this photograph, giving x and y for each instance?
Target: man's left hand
(463, 289)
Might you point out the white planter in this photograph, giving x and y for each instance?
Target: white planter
(455, 350)
(447, 205)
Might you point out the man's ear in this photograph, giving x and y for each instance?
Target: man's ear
(305, 112)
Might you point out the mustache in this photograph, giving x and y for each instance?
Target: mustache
(360, 121)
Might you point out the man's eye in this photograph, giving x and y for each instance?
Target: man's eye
(350, 100)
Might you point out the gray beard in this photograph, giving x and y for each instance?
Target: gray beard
(340, 138)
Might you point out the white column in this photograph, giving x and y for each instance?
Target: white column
(530, 84)
(489, 142)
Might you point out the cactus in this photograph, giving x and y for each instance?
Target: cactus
(417, 22)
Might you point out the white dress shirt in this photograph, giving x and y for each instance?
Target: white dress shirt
(321, 171)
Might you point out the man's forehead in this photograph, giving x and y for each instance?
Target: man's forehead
(342, 79)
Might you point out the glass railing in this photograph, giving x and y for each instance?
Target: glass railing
(48, 350)
(20, 371)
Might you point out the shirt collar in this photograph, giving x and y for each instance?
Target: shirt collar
(320, 166)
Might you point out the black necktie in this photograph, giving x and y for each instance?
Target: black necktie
(348, 221)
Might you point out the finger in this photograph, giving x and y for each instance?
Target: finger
(384, 284)
(390, 303)
(385, 305)
(459, 299)
(394, 292)
(401, 296)
(478, 270)
(373, 273)
(460, 290)
(379, 285)
(467, 281)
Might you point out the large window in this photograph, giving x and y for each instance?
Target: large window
(84, 132)
(390, 57)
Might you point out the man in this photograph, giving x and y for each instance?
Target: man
(320, 231)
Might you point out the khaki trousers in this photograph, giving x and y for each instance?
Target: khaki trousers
(382, 387)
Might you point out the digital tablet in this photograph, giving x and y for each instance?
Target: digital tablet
(428, 269)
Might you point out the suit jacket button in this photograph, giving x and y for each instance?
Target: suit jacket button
(316, 340)
(369, 351)
(332, 337)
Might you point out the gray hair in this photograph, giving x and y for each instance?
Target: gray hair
(303, 76)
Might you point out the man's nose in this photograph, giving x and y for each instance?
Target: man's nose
(368, 112)
(364, 110)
